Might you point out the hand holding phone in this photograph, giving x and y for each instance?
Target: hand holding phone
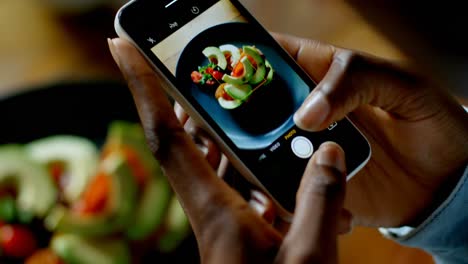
(236, 81)
(226, 228)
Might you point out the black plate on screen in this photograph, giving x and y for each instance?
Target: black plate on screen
(83, 109)
(251, 123)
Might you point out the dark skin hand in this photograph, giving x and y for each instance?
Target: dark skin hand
(228, 230)
(417, 131)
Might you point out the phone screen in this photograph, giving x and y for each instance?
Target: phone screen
(242, 83)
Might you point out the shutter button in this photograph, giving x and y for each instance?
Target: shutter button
(302, 147)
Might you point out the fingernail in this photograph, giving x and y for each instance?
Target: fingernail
(312, 113)
(113, 51)
(260, 197)
(203, 149)
(330, 154)
(257, 207)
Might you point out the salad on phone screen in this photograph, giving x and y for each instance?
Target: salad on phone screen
(233, 73)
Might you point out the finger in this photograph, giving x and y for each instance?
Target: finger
(192, 178)
(262, 205)
(313, 233)
(313, 56)
(223, 166)
(182, 116)
(347, 80)
(208, 148)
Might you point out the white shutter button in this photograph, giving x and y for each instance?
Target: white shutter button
(302, 147)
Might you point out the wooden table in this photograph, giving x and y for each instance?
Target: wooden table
(39, 47)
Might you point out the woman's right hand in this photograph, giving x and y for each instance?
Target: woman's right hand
(418, 132)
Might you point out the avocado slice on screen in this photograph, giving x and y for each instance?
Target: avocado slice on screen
(36, 192)
(79, 155)
(245, 77)
(269, 77)
(260, 72)
(229, 104)
(73, 249)
(233, 51)
(214, 52)
(238, 92)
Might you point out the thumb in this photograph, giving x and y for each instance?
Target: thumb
(313, 233)
(352, 80)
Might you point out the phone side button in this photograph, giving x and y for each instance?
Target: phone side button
(302, 147)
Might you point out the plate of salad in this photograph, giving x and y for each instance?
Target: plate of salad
(242, 82)
(78, 184)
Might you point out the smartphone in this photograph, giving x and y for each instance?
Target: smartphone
(234, 79)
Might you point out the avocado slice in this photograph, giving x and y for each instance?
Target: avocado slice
(73, 249)
(229, 104)
(233, 51)
(238, 92)
(151, 209)
(260, 72)
(79, 155)
(123, 134)
(122, 202)
(155, 196)
(245, 77)
(36, 192)
(214, 52)
(177, 226)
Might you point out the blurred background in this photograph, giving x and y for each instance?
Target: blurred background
(45, 42)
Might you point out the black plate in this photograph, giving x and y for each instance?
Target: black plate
(83, 109)
(250, 126)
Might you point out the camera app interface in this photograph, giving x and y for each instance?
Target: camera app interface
(245, 86)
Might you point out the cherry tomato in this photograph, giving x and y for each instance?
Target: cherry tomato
(196, 76)
(17, 241)
(210, 82)
(217, 75)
